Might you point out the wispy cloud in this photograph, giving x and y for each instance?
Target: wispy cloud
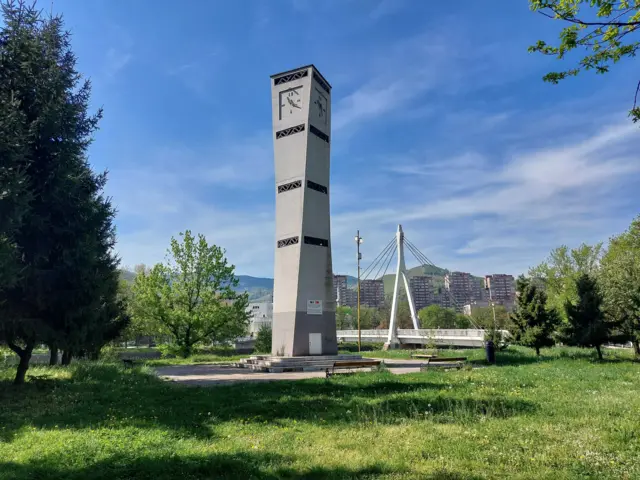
(179, 188)
(526, 200)
(115, 61)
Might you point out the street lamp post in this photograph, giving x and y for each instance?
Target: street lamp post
(358, 240)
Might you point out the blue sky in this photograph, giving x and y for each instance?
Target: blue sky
(441, 122)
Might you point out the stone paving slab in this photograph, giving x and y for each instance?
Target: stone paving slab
(211, 374)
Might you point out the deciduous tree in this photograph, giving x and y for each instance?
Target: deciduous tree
(558, 274)
(191, 296)
(435, 316)
(345, 318)
(606, 29)
(620, 280)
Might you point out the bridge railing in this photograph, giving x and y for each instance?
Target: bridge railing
(421, 333)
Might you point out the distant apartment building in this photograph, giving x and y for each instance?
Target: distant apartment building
(339, 286)
(442, 297)
(347, 297)
(421, 288)
(477, 290)
(261, 314)
(371, 293)
(502, 288)
(460, 285)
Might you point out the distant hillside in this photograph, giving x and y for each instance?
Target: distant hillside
(260, 289)
(127, 275)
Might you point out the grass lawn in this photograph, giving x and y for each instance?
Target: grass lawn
(565, 416)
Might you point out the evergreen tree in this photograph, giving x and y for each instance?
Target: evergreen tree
(64, 293)
(586, 325)
(534, 324)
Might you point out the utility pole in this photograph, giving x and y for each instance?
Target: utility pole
(358, 240)
(487, 285)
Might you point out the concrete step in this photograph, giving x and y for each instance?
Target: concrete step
(268, 363)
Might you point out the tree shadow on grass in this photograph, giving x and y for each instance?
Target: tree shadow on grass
(107, 396)
(513, 357)
(214, 466)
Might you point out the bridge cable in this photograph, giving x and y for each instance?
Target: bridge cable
(375, 262)
(422, 258)
(391, 255)
(389, 263)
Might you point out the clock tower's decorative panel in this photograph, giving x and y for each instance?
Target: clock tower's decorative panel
(303, 304)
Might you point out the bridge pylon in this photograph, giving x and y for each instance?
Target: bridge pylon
(401, 271)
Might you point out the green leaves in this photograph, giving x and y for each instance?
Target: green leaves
(607, 39)
(435, 316)
(534, 323)
(191, 297)
(620, 280)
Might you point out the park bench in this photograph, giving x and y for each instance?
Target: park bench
(129, 362)
(343, 365)
(422, 355)
(439, 361)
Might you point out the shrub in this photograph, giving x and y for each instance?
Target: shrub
(263, 339)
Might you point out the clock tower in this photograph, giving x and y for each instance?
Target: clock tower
(304, 320)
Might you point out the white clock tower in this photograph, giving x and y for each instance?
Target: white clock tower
(304, 320)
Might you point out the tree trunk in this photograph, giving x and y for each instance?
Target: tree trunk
(537, 351)
(66, 357)
(636, 347)
(25, 357)
(599, 350)
(53, 355)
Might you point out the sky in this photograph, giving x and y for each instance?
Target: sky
(440, 122)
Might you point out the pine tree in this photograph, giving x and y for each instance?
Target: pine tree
(534, 324)
(64, 291)
(587, 326)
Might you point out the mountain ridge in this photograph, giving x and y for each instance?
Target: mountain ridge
(260, 289)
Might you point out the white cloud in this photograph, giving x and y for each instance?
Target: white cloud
(115, 61)
(521, 207)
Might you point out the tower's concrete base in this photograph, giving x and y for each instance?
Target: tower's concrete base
(275, 364)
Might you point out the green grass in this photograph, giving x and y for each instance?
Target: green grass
(563, 416)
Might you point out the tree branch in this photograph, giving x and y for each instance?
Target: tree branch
(582, 22)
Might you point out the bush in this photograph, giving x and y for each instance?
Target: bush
(263, 339)
(169, 350)
(353, 347)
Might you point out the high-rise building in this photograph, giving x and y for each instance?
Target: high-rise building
(442, 297)
(339, 286)
(347, 297)
(460, 286)
(421, 287)
(502, 287)
(372, 293)
(477, 290)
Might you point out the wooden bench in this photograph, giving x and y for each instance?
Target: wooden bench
(345, 364)
(456, 361)
(422, 355)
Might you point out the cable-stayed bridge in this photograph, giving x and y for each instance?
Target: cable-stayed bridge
(394, 337)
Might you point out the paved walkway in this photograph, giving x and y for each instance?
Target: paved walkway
(204, 375)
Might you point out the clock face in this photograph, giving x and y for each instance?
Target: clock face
(290, 102)
(320, 107)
